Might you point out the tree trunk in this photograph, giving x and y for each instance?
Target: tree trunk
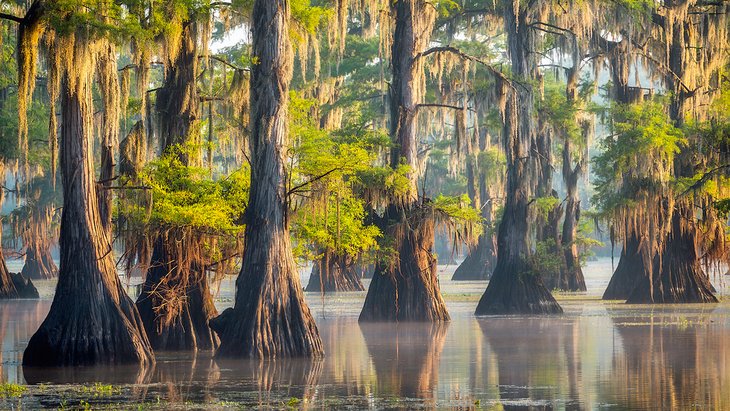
(636, 259)
(633, 266)
(110, 91)
(407, 289)
(516, 286)
(175, 303)
(479, 262)
(39, 264)
(91, 320)
(270, 317)
(679, 277)
(13, 285)
(338, 272)
(177, 106)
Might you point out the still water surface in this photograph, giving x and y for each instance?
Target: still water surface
(597, 355)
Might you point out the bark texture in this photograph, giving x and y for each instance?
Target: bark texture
(270, 317)
(91, 320)
(14, 285)
(175, 303)
(334, 273)
(516, 286)
(407, 288)
(39, 264)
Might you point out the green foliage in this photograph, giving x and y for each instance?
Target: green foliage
(544, 205)
(184, 196)
(638, 155)
(459, 216)
(492, 163)
(326, 168)
(337, 226)
(547, 257)
(10, 390)
(39, 154)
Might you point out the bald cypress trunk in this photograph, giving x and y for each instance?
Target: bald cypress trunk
(516, 285)
(39, 264)
(13, 285)
(571, 274)
(177, 319)
(678, 277)
(91, 320)
(407, 289)
(334, 273)
(270, 317)
(636, 256)
(479, 263)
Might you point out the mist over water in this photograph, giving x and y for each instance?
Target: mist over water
(597, 355)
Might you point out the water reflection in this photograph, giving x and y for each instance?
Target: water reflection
(537, 361)
(597, 355)
(406, 357)
(671, 360)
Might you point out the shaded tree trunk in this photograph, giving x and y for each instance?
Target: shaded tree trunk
(636, 256)
(175, 303)
(334, 274)
(270, 317)
(91, 320)
(516, 286)
(480, 261)
(679, 277)
(13, 285)
(39, 264)
(407, 289)
(571, 274)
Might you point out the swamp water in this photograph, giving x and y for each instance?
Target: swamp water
(597, 355)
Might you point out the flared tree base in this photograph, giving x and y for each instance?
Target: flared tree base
(39, 266)
(478, 264)
(516, 292)
(339, 277)
(184, 330)
(408, 289)
(678, 276)
(83, 330)
(270, 317)
(632, 267)
(21, 287)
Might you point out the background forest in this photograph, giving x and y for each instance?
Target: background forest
(171, 144)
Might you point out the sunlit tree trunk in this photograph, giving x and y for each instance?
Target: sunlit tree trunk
(407, 289)
(270, 317)
(91, 320)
